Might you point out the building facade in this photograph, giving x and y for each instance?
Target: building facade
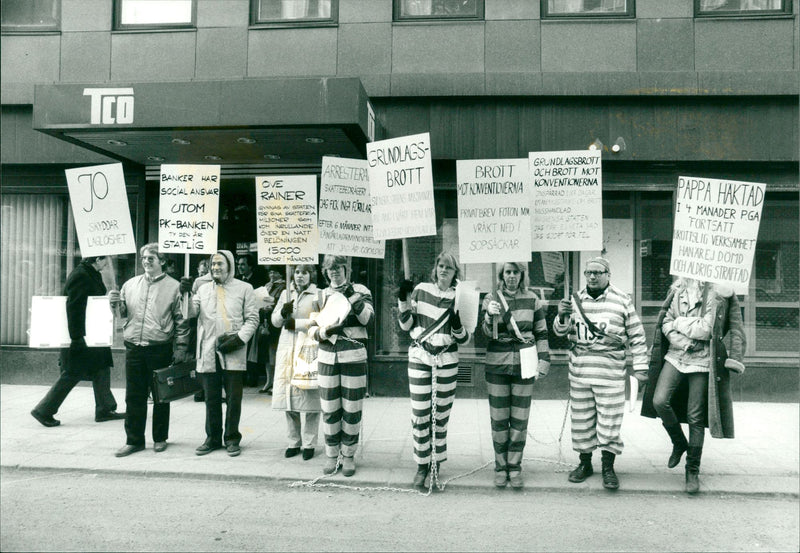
(705, 88)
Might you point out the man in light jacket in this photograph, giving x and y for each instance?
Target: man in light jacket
(156, 334)
(227, 317)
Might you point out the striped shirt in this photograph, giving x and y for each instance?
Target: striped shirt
(601, 360)
(502, 354)
(423, 307)
(351, 350)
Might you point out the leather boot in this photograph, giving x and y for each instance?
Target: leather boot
(421, 475)
(679, 444)
(584, 469)
(693, 454)
(610, 480)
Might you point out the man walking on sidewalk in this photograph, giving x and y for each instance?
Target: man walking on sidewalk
(152, 304)
(80, 362)
(227, 317)
(601, 324)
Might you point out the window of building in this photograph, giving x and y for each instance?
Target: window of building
(438, 9)
(587, 8)
(732, 8)
(154, 14)
(38, 250)
(295, 11)
(30, 15)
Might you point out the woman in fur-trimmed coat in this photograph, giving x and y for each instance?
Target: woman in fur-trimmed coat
(690, 368)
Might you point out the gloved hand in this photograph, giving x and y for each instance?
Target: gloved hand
(641, 376)
(186, 284)
(289, 323)
(357, 306)
(113, 296)
(229, 342)
(564, 309)
(333, 330)
(287, 309)
(455, 320)
(348, 290)
(78, 346)
(179, 356)
(406, 287)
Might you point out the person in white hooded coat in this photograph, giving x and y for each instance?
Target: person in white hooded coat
(227, 317)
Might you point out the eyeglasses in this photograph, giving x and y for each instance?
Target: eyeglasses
(594, 274)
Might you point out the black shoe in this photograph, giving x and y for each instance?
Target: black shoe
(233, 450)
(291, 452)
(126, 450)
(692, 481)
(308, 453)
(610, 480)
(45, 420)
(110, 416)
(207, 448)
(584, 470)
(679, 444)
(421, 476)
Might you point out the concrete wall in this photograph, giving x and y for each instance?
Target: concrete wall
(663, 51)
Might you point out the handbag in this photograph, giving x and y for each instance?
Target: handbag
(304, 366)
(175, 382)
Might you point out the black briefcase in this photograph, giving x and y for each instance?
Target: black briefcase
(175, 382)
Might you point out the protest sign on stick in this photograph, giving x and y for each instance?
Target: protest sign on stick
(345, 210)
(286, 219)
(567, 201)
(188, 209)
(494, 217)
(100, 208)
(401, 187)
(716, 227)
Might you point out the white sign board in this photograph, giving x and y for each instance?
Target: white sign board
(494, 220)
(467, 303)
(552, 266)
(567, 200)
(49, 327)
(188, 209)
(716, 227)
(401, 187)
(286, 218)
(100, 207)
(345, 210)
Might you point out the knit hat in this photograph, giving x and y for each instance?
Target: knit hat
(602, 261)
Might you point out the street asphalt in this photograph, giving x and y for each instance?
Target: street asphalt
(762, 460)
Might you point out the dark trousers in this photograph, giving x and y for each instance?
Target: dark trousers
(104, 401)
(140, 362)
(212, 387)
(668, 382)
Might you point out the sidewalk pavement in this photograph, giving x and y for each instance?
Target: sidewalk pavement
(762, 460)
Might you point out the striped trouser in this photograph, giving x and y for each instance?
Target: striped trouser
(596, 416)
(342, 386)
(420, 367)
(509, 408)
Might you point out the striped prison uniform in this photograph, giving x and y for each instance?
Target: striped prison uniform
(509, 393)
(342, 366)
(597, 367)
(437, 355)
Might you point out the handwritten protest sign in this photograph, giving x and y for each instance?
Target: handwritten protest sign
(716, 227)
(286, 216)
(49, 322)
(567, 201)
(188, 209)
(494, 220)
(552, 266)
(100, 208)
(345, 209)
(401, 187)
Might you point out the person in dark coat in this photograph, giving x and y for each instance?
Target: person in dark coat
(690, 366)
(80, 362)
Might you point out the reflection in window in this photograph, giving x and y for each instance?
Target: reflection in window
(154, 13)
(741, 7)
(571, 8)
(456, 9)
(271, 11)
(30, 15)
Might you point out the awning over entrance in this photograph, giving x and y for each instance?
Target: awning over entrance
(254, 122)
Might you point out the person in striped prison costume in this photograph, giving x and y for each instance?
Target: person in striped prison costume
(522, 322)
(342, 366)
(426, 312)
(598, 344)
